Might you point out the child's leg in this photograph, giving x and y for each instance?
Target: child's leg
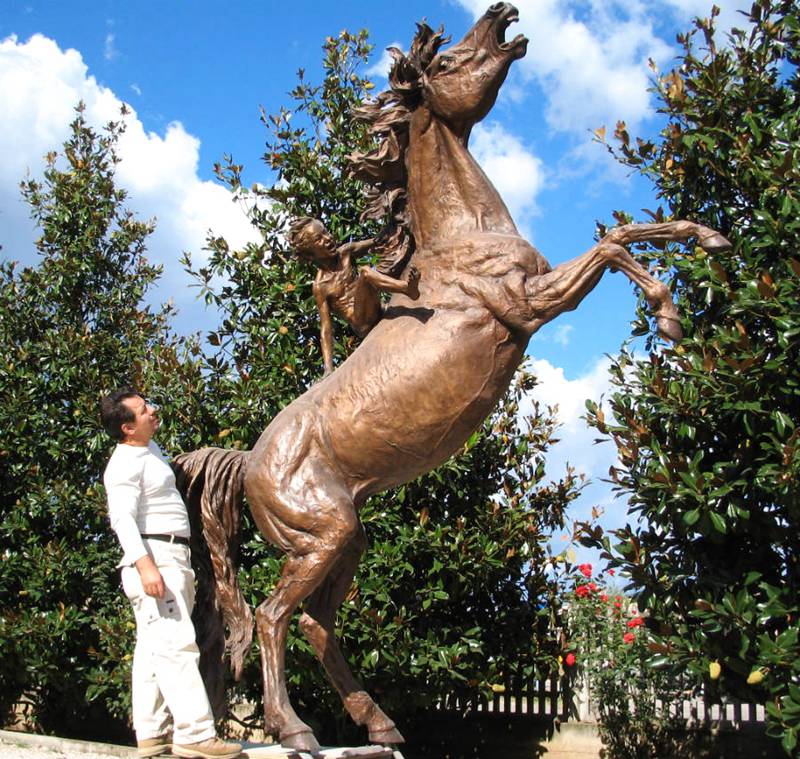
(367, 306)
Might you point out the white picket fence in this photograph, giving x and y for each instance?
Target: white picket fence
(548, 698)
(554, 698)
(695, 709)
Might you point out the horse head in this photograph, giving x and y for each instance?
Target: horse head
(461, 83)
(455, 88)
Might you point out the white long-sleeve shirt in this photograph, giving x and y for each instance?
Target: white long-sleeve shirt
(142, 498)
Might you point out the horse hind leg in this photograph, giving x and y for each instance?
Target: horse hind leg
(305, 568)
(318, 625)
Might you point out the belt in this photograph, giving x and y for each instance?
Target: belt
(168, 538)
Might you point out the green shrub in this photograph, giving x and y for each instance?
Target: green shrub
(707, 431)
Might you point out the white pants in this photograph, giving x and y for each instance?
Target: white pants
(168, 692)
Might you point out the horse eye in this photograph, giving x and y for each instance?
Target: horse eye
(444, 63)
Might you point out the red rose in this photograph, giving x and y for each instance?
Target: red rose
(592, 587)
(628, 638)
(582, 591)
(604, 598)
(585, 569)
(635, 622)
(569, 659)
(611, 572)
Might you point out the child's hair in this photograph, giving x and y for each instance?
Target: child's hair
(301, 230)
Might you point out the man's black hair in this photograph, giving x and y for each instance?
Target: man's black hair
(114, 413)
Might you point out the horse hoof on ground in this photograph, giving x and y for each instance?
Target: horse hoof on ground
(389, 737)
(302, 741)
(715, 243)
(669, 328)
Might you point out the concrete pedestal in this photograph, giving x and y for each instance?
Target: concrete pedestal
(275, 751)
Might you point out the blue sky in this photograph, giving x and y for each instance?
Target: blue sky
(196, 73)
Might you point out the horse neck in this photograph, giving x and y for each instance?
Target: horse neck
(449, 194)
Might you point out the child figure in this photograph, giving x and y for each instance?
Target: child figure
(351, 291)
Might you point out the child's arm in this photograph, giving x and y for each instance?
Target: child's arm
(356, 248)
(325, 329)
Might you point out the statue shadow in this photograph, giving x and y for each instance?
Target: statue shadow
(420, 313)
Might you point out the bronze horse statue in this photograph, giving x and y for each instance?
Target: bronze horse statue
(422, 380)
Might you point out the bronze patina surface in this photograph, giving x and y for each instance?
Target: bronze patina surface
(427, 373)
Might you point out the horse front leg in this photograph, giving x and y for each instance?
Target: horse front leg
(523, 303)
(563, 288)
(656, 294)
(318, 625)
(669, 231)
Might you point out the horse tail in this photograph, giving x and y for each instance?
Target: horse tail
(211, 483)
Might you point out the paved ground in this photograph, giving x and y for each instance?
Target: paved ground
(11, 751)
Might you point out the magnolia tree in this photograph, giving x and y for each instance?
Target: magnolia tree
(707, 432)
(73, 327)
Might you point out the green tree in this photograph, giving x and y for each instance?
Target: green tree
(452, 595)
(72, 327)
(707, 431)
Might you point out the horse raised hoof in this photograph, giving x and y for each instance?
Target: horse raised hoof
(302, 741)
(389, 736)
(714, 243)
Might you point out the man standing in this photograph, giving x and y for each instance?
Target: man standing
(170, 705)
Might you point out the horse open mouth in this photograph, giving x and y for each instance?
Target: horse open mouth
(507, 16)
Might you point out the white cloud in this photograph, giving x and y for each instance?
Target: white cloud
(576, 445)
(514, 170)
(576, 440)
(380, 68)
(590, 57)
(136, 88)
(562, 334)
(109, 51)
(39, 86)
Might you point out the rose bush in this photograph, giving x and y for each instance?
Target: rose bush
(610, 644)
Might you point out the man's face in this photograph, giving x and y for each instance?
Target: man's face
(144, 424)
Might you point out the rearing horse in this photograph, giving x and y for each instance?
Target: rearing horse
(425, 377)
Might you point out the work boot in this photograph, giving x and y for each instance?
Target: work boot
(213, 748)
(154, 746)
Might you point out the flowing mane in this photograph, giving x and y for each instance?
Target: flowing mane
(383, 168)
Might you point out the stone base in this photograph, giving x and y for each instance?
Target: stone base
(65, 745)
(275, 751)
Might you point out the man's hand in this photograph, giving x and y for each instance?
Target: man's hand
(152, 582)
